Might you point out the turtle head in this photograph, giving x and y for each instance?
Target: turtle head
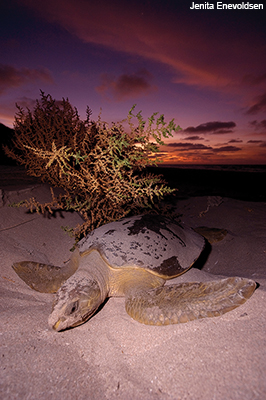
(76, 301)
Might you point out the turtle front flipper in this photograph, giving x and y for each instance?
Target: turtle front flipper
(185, 302)
(42, 277)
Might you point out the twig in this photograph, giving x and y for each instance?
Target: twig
(14, 226)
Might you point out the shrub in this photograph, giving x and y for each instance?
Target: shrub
(99, 167)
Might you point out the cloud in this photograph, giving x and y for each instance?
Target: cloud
(126, 85)
(11, 77)
(235, 141)
(188, 146)
(255, 141)
(254, 80)
(191, 146)
(258, 106)
(213, 128)
(258, 125)
(226, 149)
(260, 143)
(8, 108)
(159, 154)
(193, 138)
(26, 102)
(181, 42)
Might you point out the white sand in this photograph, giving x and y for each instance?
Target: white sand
(114, 357)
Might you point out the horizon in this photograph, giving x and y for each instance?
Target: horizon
(204, 68)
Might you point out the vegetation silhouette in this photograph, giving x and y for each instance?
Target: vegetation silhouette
(100, 167)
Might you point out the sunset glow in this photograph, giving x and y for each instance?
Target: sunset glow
(204, 67)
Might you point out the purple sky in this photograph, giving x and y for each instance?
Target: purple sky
(205, 68)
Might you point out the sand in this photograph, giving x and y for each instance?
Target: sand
(112, 356)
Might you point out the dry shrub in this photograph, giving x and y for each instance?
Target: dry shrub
(98, 166)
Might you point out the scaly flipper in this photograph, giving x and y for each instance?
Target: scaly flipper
(46, 278)
(41, 277)
(185, 302)
(213, 235)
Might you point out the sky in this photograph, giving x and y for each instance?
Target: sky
(206, 68)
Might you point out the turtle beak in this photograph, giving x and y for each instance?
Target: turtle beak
(63, 324)
(56, 326)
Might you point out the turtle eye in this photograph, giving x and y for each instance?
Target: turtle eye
(73, 307)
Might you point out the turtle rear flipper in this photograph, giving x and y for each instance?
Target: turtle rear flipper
(213, 235)
(173, 304)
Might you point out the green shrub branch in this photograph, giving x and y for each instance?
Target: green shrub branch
(98, 166)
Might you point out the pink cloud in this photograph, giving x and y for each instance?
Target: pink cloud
(259, 125)
(11, 77)
(126, 85)
(259, 105)
(215, 127)
(188, 146)
(251, 79)
(235, 141)
(194, 56)
(193, 138)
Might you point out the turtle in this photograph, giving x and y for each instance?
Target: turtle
(213, 235)
(134, 257)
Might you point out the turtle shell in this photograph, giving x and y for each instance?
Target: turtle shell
(147, 241)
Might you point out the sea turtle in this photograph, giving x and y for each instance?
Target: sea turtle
(133, 257)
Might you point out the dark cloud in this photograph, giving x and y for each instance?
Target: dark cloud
(11, 77)
(260, 143)
(254, 80)
(189, 146)
(258, 125)
(255, 141)
(258, 106)
(126, 85)
(193, 138)
(235, 141)
(226, 149)
(213, 128)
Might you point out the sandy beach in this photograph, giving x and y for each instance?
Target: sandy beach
(112, 356)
